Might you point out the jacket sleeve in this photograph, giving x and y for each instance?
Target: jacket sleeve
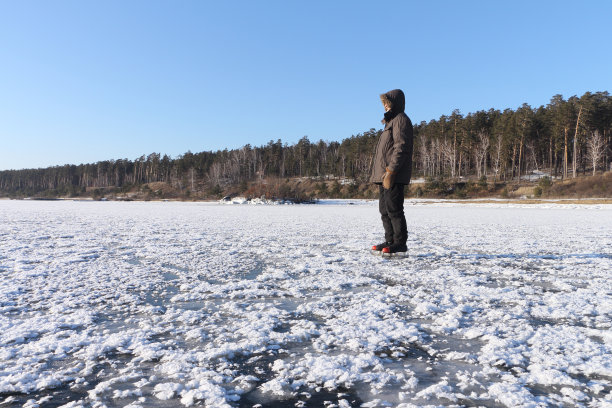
(402, 143)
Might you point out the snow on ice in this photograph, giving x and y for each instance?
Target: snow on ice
(165, 304)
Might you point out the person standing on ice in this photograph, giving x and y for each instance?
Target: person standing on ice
(391, 170)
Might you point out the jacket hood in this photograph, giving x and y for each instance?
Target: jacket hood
(395, 99)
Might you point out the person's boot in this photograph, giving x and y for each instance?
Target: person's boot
(381, 247)
(395, 248)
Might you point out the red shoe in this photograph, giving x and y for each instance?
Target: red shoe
(380, 247)
(395, 248)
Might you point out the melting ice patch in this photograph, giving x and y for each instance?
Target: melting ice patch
(165, 304)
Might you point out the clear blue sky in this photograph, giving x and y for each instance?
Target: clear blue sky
(84, 81)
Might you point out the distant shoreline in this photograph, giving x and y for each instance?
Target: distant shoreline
(408, 202)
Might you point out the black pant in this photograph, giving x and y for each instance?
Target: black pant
(391, 207)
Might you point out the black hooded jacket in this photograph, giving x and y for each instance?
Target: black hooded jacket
(394, 147)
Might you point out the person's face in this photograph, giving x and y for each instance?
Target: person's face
(387, 107)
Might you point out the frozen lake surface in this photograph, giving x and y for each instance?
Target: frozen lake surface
(165, 304)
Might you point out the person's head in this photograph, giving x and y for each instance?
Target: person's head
(393, 101)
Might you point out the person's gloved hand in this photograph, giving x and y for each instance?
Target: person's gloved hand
(388, 179)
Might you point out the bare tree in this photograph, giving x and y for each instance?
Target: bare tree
(437, 156)
(531, 149)
(214, 173)
(575, 158)
(425, 157)
(448, 155)
(595, 149)
(497, 158)
(480, 153)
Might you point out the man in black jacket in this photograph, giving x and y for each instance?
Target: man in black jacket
(392, 168)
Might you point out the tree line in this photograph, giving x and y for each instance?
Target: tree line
(566, 137)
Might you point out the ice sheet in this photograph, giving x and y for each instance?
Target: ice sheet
(158, 304)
